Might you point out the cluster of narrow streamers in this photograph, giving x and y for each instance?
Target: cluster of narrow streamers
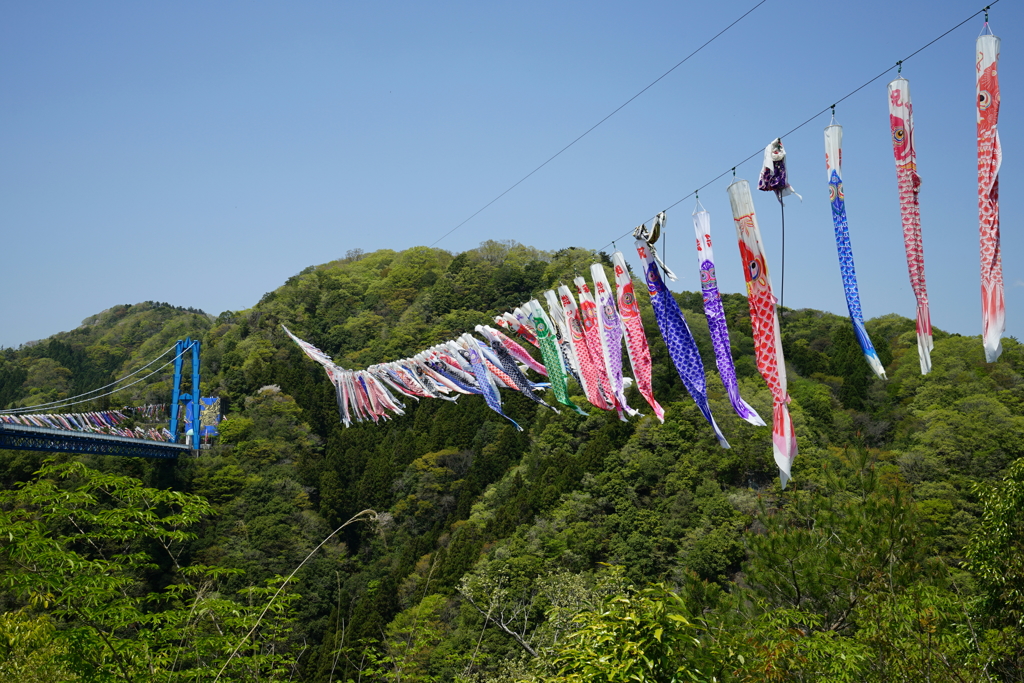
(462, 366)
(990, 157)
(715, 314)
(636, 338)
(833, 167)
(901, 120)
(682, 347)
(765, 322)
(520, 354)
(98, 422)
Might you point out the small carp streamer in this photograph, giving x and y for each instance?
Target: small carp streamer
(773, 171)
(833, 167)
(990, 158)
(636, 339)
(901, 120)
(681, 345)
(716, 318)
(765, 321)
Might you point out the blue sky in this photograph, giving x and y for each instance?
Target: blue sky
(201, 153)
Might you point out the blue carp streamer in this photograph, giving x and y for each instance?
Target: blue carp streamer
(833, 159)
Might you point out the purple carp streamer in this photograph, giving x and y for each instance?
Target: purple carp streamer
(681, 345)
(834, 170)
(773, 171)
(765, 321)
(990, 158)
(636, 339)
(611, 335)
(901, 120)
(715, 314)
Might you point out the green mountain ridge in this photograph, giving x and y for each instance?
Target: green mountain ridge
(584, 548)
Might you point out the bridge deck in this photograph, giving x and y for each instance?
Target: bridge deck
(21, 438)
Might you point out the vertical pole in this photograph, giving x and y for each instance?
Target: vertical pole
(197, 404)
(179, 351)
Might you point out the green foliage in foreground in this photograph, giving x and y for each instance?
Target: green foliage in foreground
(78, 546)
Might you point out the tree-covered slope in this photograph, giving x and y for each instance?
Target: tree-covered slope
(583, 546)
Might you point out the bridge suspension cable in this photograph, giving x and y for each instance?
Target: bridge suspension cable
(63, 403)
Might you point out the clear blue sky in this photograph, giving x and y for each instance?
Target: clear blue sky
(201, 153)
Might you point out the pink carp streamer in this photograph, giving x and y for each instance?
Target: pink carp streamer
(990, 158)
(636, 339)
(592, 334)
(518, 352)
(901, 120)
(611, 335)
(765, 321)
(589, 370)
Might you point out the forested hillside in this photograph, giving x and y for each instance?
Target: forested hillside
(583, 548)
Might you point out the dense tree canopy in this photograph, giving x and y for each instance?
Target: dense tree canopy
(583, 548)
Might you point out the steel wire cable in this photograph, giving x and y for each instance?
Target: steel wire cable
(21, 411)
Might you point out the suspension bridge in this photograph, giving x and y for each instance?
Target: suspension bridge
(57, 431)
